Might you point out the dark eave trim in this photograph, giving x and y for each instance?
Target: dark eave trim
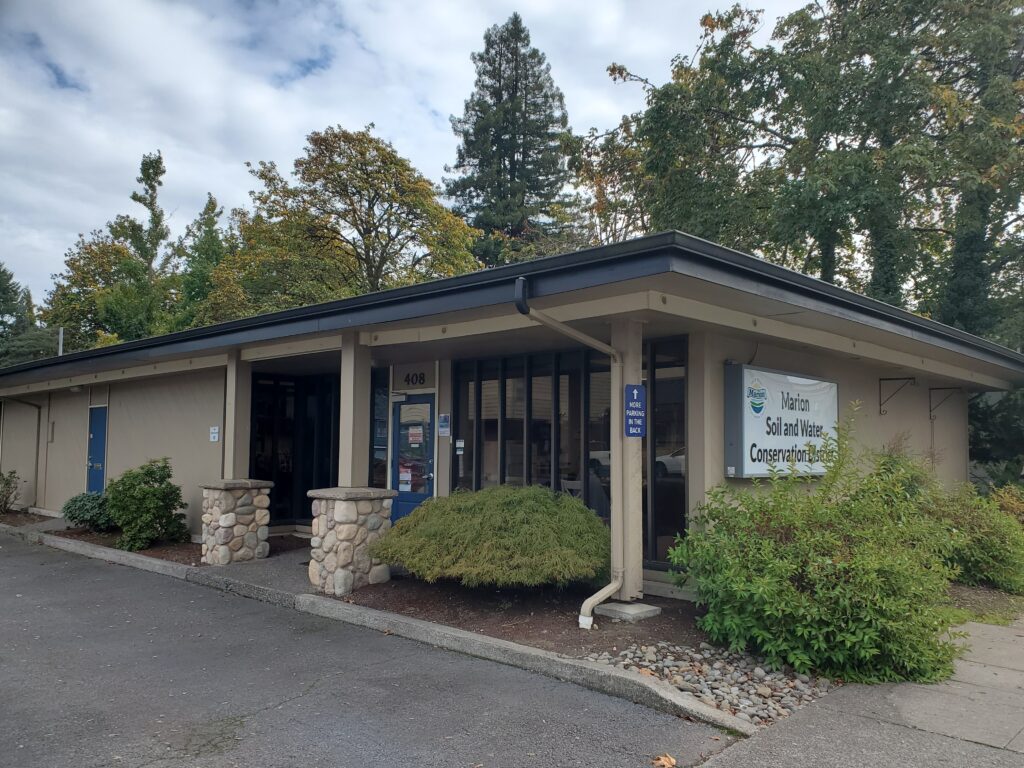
(667, 252)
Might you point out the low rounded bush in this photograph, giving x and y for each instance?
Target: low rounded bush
(88, 510)
(987, 542)
(144, 504)
(843, 575)
(501, 536)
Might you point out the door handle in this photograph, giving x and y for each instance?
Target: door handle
(429, 476)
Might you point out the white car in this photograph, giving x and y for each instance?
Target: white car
(671, 463)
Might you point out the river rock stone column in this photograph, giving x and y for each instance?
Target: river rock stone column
(345, 522)
(236, 519)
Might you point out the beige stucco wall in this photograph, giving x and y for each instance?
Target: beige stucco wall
(169, 416)
(64, 447)
(945, 439)
(18, 446)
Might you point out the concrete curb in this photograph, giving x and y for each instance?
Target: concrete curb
(116, 556)
(595, 676)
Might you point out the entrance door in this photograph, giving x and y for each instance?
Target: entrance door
(97, 451)
(412, 465)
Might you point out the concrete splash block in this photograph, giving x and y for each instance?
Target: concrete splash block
(631, 612)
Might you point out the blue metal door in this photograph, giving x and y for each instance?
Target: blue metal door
(97, 449)
(412, 463)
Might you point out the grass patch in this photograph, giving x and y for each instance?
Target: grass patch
(984, 605)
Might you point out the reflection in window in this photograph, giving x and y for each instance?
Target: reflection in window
(599, 431)
(666, 440)
(464, 426)
(540, 420)
(489, 407)
(379, 428)
(515, 410)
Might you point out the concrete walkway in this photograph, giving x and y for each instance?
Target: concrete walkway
(974, 720)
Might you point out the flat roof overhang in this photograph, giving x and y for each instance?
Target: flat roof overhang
(720, 273)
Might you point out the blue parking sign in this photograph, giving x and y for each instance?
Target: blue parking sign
(636, 410)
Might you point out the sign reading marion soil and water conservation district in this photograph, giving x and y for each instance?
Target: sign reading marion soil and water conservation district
(775, 419)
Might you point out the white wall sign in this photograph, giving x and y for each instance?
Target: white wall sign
(774, 419)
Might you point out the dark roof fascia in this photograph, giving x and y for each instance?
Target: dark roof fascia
(489, 287)
(666, 252)
(715, 262)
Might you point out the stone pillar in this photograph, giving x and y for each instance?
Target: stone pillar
(236, 516)
(345, 522)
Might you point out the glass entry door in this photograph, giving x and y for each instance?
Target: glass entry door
(412, 465)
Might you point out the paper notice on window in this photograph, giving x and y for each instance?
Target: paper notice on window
(415, 436)
(404, 479)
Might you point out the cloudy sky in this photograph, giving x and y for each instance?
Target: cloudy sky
(89, 86)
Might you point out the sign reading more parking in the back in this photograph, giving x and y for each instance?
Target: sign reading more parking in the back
(635, 401)
(775, 419)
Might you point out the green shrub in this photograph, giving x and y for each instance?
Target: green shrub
(144, 504)
(987, 542)
(9, 483)
(88, 510)
(843, 575)
(1010, 499)
(501, 536)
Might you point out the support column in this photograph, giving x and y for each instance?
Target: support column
(346, 522)
(236, 520)
(354, 432)
(627, 338)
(237, 417)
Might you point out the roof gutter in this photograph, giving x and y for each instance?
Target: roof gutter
(618, 529)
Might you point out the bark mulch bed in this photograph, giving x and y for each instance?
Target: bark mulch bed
(18, 519)
(186, 553)
(543, 617)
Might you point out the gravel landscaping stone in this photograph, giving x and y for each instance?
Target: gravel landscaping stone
(736, 683)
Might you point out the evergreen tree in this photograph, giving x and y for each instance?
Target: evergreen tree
(197, 253)
(511, 163)
(21, 337)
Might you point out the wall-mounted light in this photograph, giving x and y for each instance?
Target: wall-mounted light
(76, 389)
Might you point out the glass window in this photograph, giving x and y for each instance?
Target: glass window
(666, 439)
(489, 408)
(570, 423)
(515, 409)
(379, 428)
(599, 420)
(465, 421)
(541, 405)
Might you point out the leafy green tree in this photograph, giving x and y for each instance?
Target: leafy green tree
(118, 284)
(357, 218)
(511, 162)
(979, 62)
(701, 135)
(608, 168)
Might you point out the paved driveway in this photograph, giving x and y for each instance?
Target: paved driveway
(102, 665)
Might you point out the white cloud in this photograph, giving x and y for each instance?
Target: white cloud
(92, 85)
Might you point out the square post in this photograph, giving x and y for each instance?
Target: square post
(627, 338)
(237, 417)
(354, 412)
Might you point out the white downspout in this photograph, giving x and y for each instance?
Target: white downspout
(586, 618)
